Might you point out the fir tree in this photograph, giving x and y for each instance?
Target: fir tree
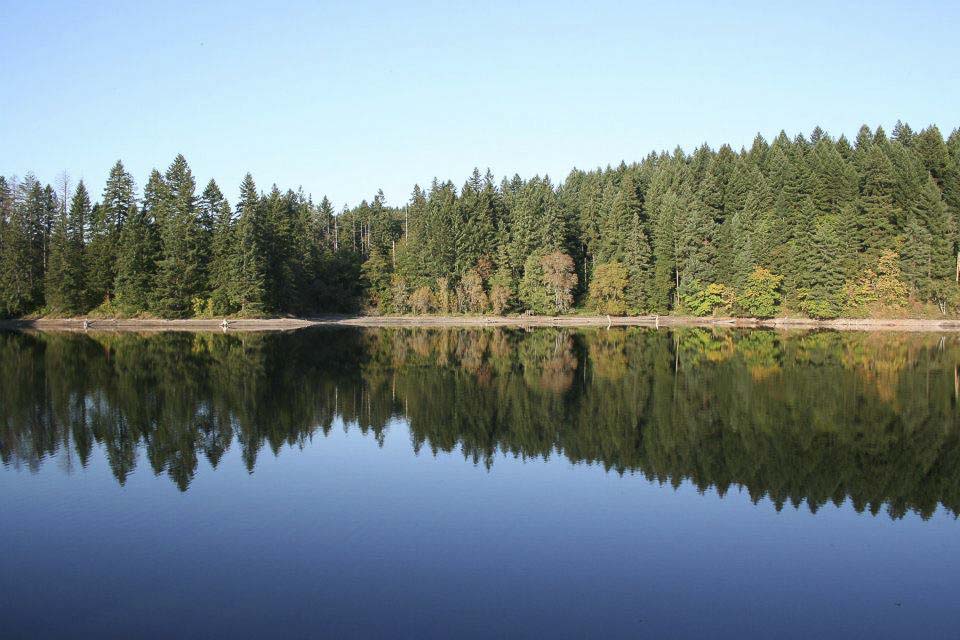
(928, 260)
(837, 222)
(876, 214)
(138, 254)
(181, 272)
(66, 273)
(250, 256)
(118, 196)
(476, 237)
(222, 245)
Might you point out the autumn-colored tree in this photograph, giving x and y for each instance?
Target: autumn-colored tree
(472, 292)
(560, 278)
(608, 288)
(421, 301)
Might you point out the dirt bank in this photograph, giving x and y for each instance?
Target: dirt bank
(286, 324)
(151, 324)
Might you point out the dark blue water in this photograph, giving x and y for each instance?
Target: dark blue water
(418, 489)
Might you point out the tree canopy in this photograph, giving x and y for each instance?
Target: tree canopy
(792, 226)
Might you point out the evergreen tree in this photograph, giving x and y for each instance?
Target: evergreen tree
(58, 281)
(476, 237)
(19, 290)
(181, 272)
(119, 195)
(222, 246)
(250, 256)
(838, 227)
(876, 214)
(928, 260)
(65, 279)
(138, 254)
(824, 277)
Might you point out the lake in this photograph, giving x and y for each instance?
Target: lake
(420, 483)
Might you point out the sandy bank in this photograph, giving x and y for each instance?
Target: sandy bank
(286, 324)
(151, 324)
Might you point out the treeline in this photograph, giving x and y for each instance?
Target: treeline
(815, 225)
(723, 410)
(173, 252)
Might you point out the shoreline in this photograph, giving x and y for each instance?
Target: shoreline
(289, 324)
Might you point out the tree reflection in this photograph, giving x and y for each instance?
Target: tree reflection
(803, 418)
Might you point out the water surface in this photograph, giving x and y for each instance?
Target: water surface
(479, 483)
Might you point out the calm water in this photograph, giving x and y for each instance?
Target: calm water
(480, 483)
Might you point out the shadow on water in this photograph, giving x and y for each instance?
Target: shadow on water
(799, 418)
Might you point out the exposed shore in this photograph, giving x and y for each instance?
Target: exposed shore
(287, 324)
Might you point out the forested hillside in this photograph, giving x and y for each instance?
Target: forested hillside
(817, 225)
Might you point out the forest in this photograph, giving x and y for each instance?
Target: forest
(723, 410)
(814, 225)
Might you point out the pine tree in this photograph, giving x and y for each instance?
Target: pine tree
(58, 282)
(876, 213)
(181, 272)
(106, 222)
(20, 291)
(823, 276)
(437, 237)
(377, 272)
(666, 210)
(617, 210)
(623, 239)
(66, 273)
(222, 245)
(250, 256)
(696, 251)
(27, 246)
(138, 254)
(827, 217)
(834, 179)
(928, 260)
(51, 211)
(476, 237)
(119, 194)
(639, 257)
(281, 289)
(902, 133)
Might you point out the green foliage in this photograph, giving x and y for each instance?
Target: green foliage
(533, 292)
(65, 290)
(139, 251)
(761, 296)
(818, 212)
(501, 292)
(181, 269)
(376, 274)
(705, 300)
(819, 308)
(249, 260)
(548, 282)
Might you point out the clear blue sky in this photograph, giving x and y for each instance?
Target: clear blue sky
(344, 98)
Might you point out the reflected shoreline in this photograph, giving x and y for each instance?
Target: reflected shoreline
(798, 417)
